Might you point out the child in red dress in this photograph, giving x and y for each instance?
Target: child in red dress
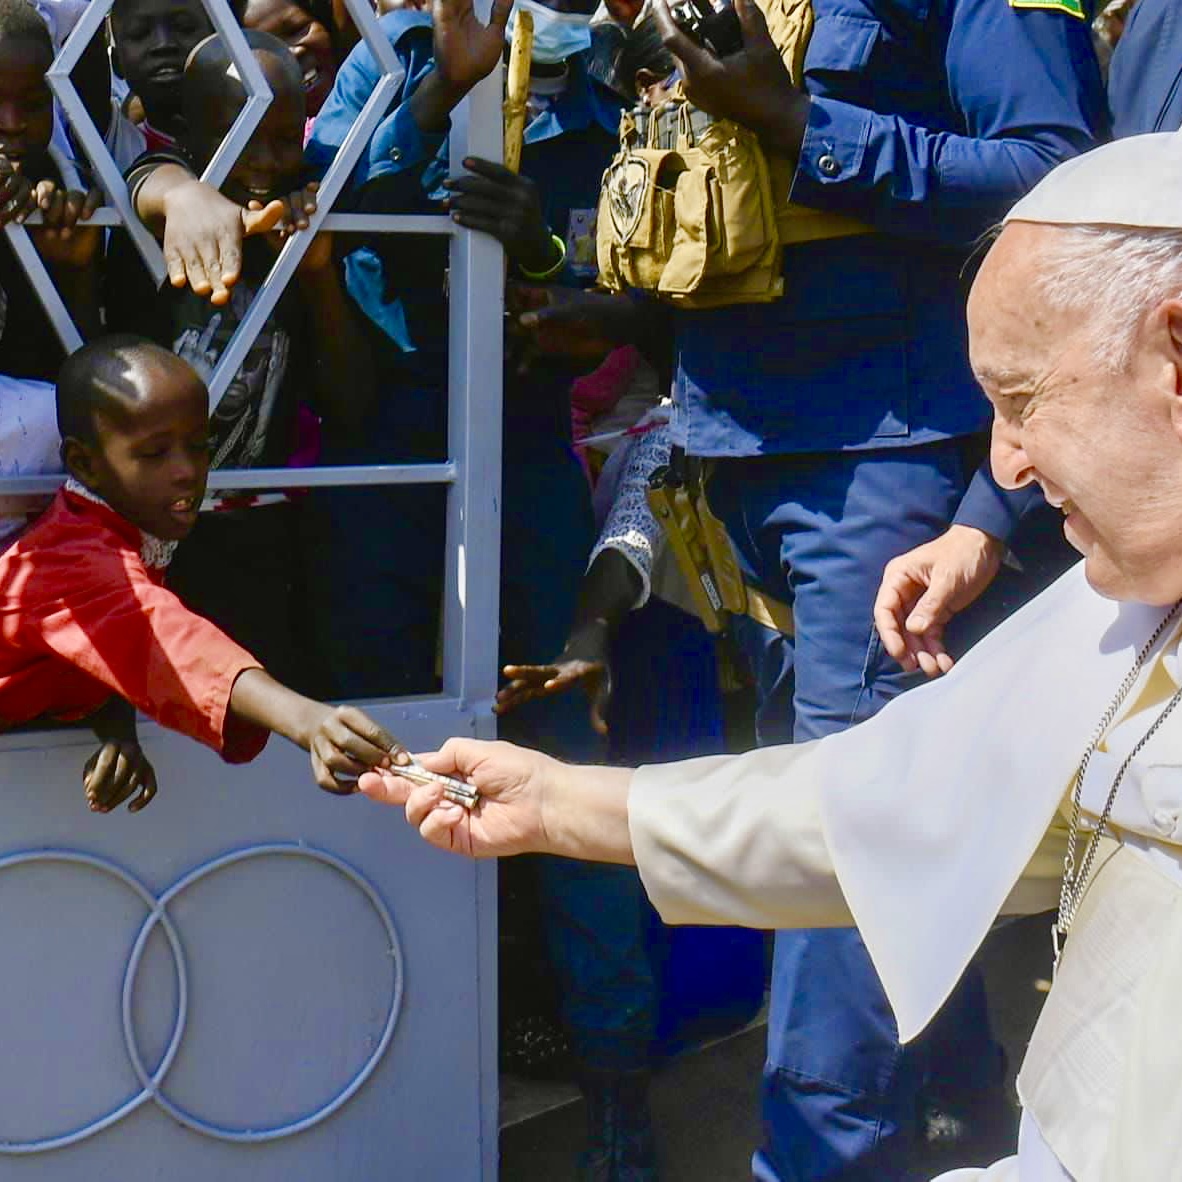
(87, 628)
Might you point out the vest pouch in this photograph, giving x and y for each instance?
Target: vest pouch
(692, 245)
(636, 225)
(742, 200)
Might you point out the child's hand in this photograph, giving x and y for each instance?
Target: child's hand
(584, 660)
(298, 207)
(17, 197)
(117, 770)
(344, 742)
(203, 233)
(58, 238)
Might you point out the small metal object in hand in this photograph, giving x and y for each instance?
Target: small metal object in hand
(453, 789)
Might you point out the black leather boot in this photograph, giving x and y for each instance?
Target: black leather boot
(620, 1143)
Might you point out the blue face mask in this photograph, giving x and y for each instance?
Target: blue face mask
(557, 35)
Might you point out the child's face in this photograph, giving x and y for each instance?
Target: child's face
(153, 38)
(272, 163)
(151, 459)
(26, 105)
(306, 37)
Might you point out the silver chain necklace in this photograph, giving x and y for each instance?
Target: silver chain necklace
(1071, 892)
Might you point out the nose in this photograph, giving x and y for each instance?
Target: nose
(1010, 464)
(187, 471)
(161, 41)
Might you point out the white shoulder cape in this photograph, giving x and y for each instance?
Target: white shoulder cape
(933, 808)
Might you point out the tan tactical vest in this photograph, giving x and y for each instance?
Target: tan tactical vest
(693, 209)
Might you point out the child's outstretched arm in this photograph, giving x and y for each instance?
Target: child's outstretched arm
(119, 768)
(342, 740)
(201, 230)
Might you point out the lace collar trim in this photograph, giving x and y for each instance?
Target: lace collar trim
(155, 553)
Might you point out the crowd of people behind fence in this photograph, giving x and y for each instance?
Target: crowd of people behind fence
(745, 492)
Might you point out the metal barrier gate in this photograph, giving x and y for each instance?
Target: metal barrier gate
(253, 980)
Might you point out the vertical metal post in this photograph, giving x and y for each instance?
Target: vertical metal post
(471, 621)
(474, 429)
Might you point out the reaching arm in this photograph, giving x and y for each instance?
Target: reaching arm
(201, 230)
(729, 839)
(342, 740)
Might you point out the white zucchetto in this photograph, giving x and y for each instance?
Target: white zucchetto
(1131, 182)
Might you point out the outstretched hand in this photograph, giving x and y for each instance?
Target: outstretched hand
(115, 772)
(466, 49)
(923, 589)
(510, 815)
(586, 661)
(344, 742)
(203, 233)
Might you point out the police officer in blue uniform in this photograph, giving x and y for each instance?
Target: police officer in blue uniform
(841, 420)
(1145, 74)
(595, 915)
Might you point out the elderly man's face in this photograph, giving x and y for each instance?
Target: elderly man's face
(1105, 447)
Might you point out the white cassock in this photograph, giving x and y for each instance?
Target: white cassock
(925, 823)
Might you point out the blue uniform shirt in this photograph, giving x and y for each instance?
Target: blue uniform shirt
(1144, 90)
(928, 118)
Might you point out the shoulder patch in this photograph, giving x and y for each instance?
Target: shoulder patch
(1073, 8)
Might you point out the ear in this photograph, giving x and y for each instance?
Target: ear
(78, 460)
(1170, 339)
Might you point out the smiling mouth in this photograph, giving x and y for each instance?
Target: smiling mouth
(311, 77)
(183, 505)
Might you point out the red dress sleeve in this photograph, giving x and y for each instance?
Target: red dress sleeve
(105, 615)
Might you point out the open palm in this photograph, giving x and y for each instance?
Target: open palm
(466, 49)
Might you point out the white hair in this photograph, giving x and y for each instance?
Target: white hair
(1114, 276)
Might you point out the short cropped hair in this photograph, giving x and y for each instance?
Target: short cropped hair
(207, 70)
(97, 375)
(20, 21)
(1113, 276)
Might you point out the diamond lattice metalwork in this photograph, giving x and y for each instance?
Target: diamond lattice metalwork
(259, 96)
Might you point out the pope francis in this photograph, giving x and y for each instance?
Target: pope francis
(1044, 771)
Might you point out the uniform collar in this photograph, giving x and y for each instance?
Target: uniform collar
(155, 553)
(582, 103)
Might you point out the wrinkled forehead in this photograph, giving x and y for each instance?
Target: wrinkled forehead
(1011, 329)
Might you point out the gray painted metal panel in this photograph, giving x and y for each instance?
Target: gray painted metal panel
(289, 971)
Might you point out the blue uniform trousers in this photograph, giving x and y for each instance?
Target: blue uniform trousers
(816, 530)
